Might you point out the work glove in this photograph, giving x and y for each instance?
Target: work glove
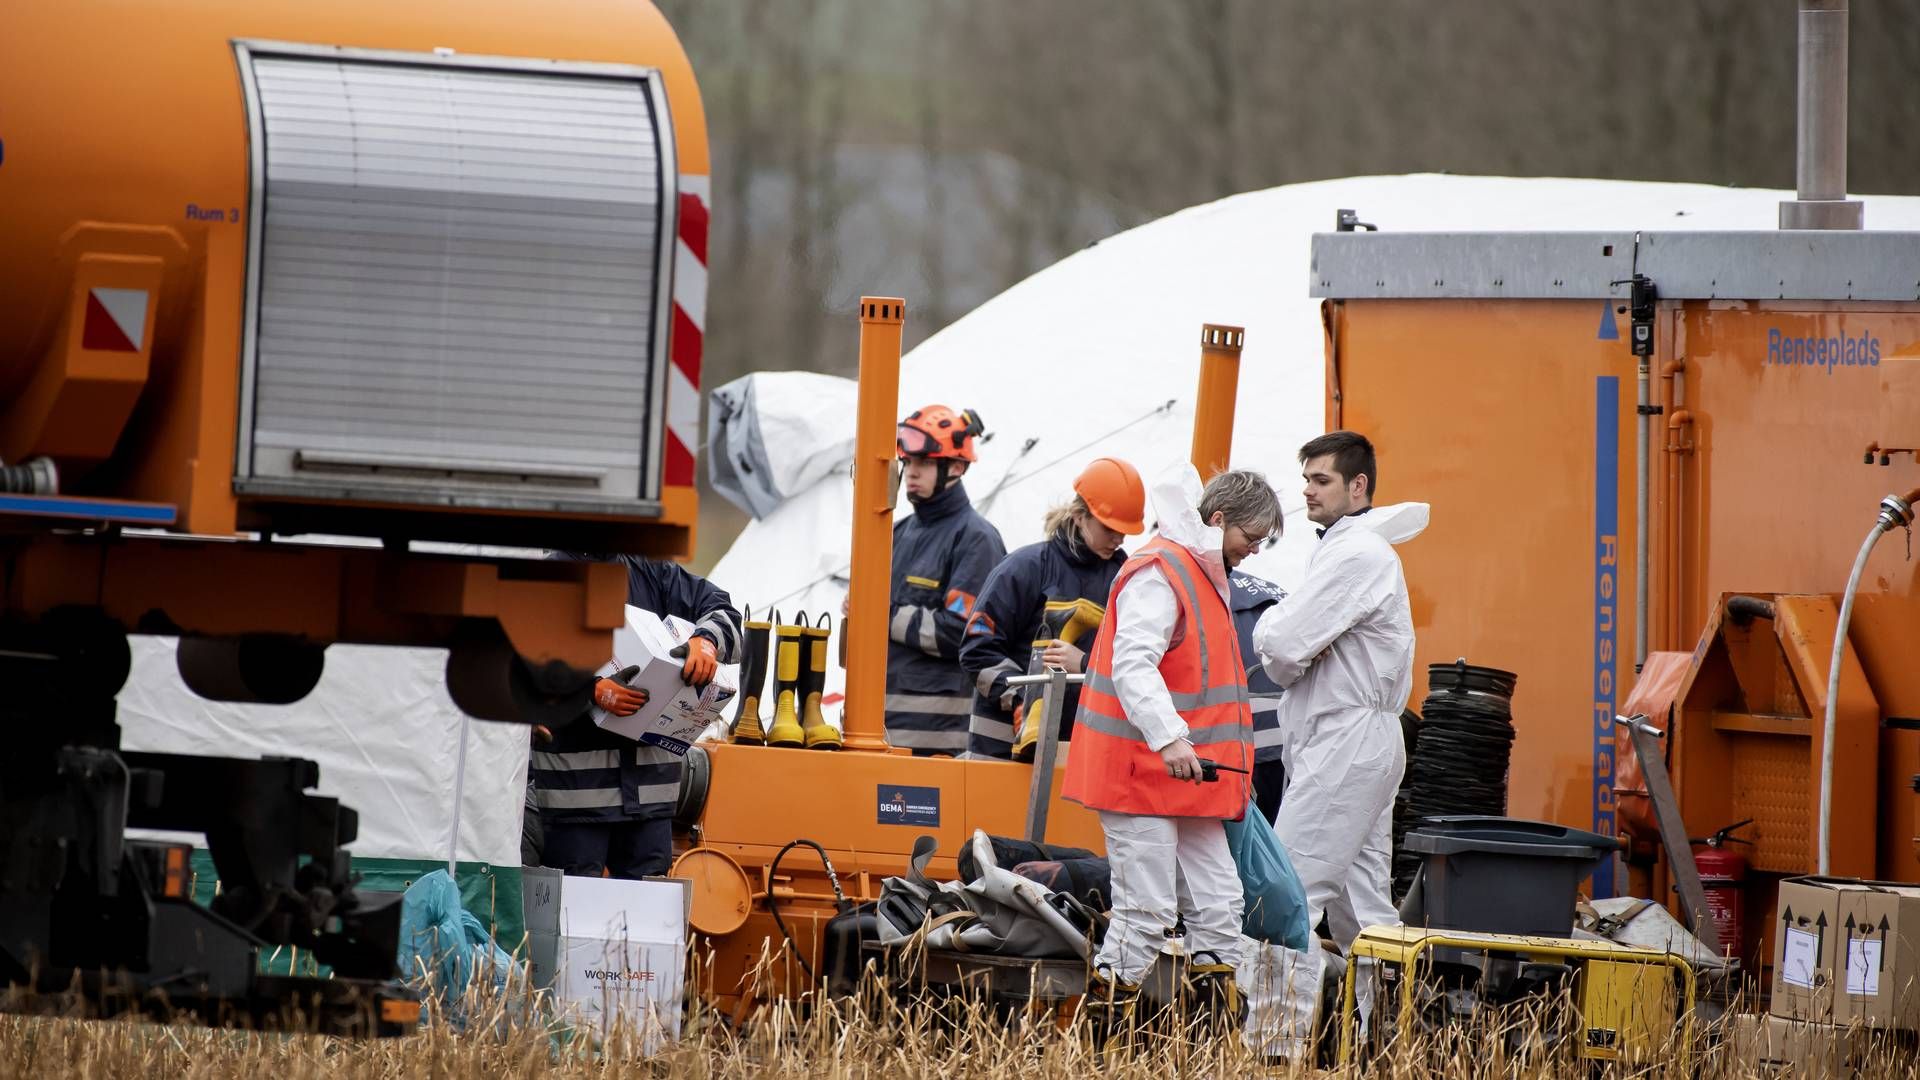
(615, 696)
(703, 661)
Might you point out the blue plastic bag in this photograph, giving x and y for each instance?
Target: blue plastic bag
(1276, 903)
(443, 942)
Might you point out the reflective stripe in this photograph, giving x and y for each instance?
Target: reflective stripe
(576, 760)
(902, 620)
(726, 635)
(1212, 735)
(984, 681)
(655, 794)
(938, 704)
(1166, 559)
(1218, 695)
(987, 727)
(929, 643)
(953, 742)
(581, 798)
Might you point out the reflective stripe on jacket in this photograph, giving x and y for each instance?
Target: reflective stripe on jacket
(1112, 767)
(942, 554)
(1251, 596)
(1030, 599)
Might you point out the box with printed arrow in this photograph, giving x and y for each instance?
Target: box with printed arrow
(1847, 952)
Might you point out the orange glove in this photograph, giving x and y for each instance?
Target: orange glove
(703, 661)
(616, 696)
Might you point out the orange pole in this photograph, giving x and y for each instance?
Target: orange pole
(865, 627)
(1666, 545)
(1213, 402)
(1676, 479)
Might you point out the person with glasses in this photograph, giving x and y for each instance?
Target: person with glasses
(1341, 644)
(942, 554)
(1165, 704)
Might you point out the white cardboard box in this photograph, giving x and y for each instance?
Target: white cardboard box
(622, 956)
(675, 714)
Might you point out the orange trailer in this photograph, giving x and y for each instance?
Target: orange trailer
(1497, 376)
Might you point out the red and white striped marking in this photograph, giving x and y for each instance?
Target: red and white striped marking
(116, 320)
(689, 329)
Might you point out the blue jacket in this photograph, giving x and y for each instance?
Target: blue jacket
(588, 774)
(1025, 604)
(1251, 596)
(942, 555)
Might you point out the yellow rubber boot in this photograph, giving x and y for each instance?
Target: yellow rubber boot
(1028, 734)
(820, 735)
(786, 730)
(748, 728)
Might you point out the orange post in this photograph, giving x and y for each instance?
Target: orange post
(1213, 403)
(881, 321)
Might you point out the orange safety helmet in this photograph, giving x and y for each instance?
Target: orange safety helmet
(1112, 490)
(939, 432)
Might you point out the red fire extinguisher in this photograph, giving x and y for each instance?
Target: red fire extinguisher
(1723, 875)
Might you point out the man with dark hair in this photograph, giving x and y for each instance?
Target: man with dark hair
(1342, 646)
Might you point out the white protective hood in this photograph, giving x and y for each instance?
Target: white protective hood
(1175, 497)
(1396, 523)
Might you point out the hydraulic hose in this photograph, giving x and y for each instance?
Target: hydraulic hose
(1894, 512)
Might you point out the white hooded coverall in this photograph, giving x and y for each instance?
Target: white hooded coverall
(1165, 868)
(1342, 646)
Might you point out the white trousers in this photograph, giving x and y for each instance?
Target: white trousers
(1165, 869)
(1336, 821)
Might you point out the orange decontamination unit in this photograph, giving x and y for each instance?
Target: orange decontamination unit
(1779, 383)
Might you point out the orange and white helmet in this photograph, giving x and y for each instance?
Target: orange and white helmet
(938, 432)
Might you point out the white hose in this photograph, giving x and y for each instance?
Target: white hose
(1833, 690)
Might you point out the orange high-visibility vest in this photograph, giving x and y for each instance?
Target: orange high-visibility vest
(1112, 768)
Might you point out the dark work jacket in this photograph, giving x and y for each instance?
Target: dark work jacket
(587, 774)
(1025, 604)
(1251, 597)
(942, 555)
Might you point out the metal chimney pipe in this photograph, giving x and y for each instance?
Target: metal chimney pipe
(1821, 149)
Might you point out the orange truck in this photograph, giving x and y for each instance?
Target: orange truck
(429, 272)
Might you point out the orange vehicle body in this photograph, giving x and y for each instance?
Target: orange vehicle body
(1510, 406)
(125, 164)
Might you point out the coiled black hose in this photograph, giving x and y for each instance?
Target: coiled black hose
(1460, 755)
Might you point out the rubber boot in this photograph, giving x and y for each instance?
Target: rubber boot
(1109, 1008)
(1214, 1003)
(786, 730)
(748, 728)
(1026, 738)
(819, 735)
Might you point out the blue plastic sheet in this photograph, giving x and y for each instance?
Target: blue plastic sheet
(1276, 911)
(444, 944)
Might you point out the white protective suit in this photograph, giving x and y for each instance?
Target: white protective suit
(1163, 868)
(1342, 645)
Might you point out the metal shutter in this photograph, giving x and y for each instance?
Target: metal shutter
(459, 281)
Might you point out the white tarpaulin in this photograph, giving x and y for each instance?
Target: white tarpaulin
(1081, 359)
(381, 727)
(774, 434)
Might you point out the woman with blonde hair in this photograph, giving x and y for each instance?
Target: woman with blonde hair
(1042, 604)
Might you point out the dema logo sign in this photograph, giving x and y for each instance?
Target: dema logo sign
(1831, 353)
(901, 805)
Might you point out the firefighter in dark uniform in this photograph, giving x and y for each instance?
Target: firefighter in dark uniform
(1043, 605)
(1251, 596)
(942, 555)
(606, 801)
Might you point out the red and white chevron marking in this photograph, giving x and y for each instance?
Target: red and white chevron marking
(689, 329)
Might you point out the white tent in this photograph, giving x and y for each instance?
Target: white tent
(1081, 359)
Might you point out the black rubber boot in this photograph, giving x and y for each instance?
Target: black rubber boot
(820, 735)
(748, 728)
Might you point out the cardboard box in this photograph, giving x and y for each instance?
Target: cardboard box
(1848, 952)
(622, 953)
(1770, 1044)
(675, 714)
(540, 904)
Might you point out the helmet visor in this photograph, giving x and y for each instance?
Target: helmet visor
(914, 442)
